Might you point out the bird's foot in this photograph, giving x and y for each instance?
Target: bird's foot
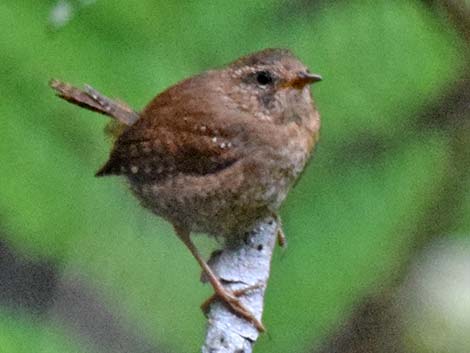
(231, 299)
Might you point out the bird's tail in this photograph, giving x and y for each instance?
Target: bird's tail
(91, 99)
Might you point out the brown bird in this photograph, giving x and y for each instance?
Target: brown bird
(217, 151)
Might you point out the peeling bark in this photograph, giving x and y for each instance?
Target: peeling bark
(244, 265)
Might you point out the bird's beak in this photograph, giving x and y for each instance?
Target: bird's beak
(308, 78)
(303, 78)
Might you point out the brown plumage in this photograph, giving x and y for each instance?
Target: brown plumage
(220, 150)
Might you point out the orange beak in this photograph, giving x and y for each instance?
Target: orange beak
(302, 79)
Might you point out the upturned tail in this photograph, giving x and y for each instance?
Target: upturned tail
(91, 99)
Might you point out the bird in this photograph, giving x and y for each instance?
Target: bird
(217, 151)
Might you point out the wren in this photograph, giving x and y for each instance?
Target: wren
(218, 151)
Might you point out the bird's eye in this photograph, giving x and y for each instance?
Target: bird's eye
(264, 78)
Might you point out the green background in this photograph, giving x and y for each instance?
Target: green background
(351, 222)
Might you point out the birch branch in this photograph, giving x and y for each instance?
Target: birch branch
(248, 264)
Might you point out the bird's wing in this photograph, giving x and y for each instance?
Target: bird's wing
(156, 150)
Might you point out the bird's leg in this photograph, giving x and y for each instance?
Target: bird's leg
(281, 237)
(225, 295)
(236, 293)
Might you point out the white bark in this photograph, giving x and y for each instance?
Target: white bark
(247, 264)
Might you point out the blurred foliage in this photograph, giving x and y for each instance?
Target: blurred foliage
(20, 335)
(437, 298)
(350, 220)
